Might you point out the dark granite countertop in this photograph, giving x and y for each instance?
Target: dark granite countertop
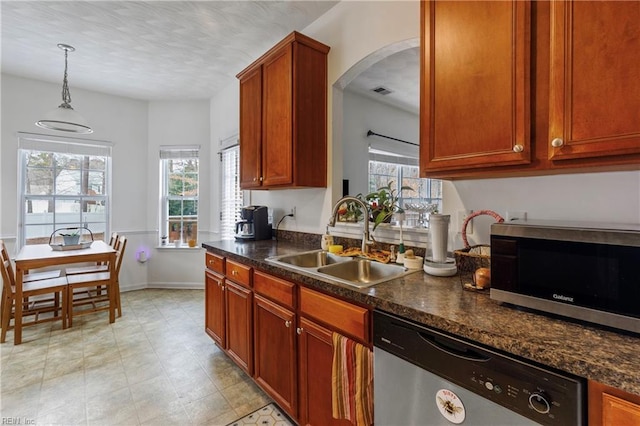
(587, 351)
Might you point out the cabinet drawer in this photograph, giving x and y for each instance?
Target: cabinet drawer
(239, 273)
(344, 317)
(273, 288)
(214, 262)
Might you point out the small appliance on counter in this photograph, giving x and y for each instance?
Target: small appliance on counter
(585, 271)
(438, 263)
(254, 224)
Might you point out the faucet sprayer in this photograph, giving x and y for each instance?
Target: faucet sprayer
(366, 237)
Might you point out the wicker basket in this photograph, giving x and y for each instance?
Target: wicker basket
(470, 258)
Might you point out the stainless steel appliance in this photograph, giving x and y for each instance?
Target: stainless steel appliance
(425, 377)
(586, 271)
(254, 224)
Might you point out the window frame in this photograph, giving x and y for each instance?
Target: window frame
(29, 142)
(176, 152)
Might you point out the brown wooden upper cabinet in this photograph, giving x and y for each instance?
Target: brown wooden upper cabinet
(513, 88)
(475, 84)
(595, 79)
(283, 116)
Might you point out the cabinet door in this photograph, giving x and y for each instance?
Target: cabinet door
(239, 325)
(251, 129)
(612, 407)
(475, 84)
(595, 70)
(275, 361)
(215, 308)
(315, 359)
(277, 143)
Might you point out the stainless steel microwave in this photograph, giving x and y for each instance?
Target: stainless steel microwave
(585, 271)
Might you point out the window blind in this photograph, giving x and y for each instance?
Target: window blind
(179, 151)
(231, 194)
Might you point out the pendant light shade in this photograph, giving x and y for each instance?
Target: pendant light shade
(64, 118)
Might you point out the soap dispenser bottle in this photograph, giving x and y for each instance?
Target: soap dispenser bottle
(327, 240)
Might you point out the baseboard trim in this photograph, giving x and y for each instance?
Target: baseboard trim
(161, 285)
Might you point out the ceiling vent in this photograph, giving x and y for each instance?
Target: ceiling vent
(381, 90)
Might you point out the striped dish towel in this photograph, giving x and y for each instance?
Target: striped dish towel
(352, 381)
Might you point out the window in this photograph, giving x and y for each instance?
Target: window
(425, 191)
(63, 182)
(231, 194)
(179, 193)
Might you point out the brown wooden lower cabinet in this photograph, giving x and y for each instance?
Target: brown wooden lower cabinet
(275, 356)
(280, 333)
(612, 407)
(239, 325)
(315, 358)
(215, 308)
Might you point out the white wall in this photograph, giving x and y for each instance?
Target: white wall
(362, 114)
(136, 128)
(177, 123)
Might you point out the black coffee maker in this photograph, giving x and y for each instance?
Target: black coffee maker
(254, 224)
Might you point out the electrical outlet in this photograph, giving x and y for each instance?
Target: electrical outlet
(461, 216)
(293, 211)
(516, 215)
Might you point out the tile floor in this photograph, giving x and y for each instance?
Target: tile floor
(155, 365)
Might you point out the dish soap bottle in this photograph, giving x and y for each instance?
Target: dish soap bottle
(327, 240)
(400, 255)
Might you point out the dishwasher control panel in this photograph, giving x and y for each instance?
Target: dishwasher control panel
(545, 396)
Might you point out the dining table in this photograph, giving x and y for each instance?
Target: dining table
(36, 256)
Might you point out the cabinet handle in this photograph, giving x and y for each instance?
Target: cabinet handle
(234, 272)
(261, 178)
(255, 179)
(222, 288)
(518, 148)
(557, 143)
(299, 330)
(287, 323)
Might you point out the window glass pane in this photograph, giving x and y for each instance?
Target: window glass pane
(38, 181)
(97, 163)
(95, 182)
(95, 209)
(190, 184)
(39, 159)
(38, 211)
(190, 208)
(175, 208)
(38, 234)
(68, 182)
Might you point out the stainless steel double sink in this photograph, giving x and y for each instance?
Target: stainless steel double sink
(356, 272)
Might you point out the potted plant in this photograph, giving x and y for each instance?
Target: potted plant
(384, 203)
(71, 238)
(350, 211)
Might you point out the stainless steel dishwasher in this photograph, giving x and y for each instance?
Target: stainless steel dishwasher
(424, 377)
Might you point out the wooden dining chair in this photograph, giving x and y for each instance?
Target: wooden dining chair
(87, 291)
(97, 267)
(39, 298)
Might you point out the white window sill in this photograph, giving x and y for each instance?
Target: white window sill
(183, 247)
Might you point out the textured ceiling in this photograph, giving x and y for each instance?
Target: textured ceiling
(146, 50)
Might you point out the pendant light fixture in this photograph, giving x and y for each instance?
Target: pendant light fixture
(64, 118)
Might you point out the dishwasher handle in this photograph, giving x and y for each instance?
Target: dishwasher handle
(453, 348)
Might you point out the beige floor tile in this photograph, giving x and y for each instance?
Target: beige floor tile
(204, 409)
(154, 365)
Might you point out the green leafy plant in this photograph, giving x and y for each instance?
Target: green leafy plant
(350, 211)
(71, 234)
(383, 203)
